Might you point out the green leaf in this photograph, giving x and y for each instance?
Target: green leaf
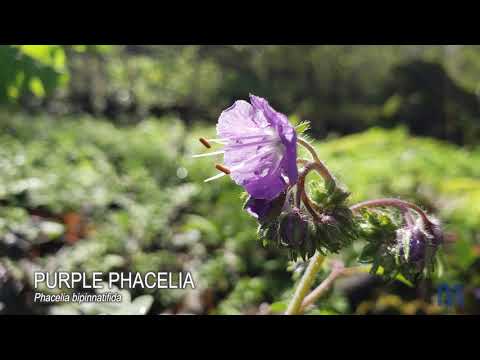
(302, 127)
(36, 86)
(278, 307)
(330, 186)
(402, 279)
(368, 253)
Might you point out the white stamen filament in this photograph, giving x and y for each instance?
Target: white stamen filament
(218, 176)
(269, 145)
(242, 164)
(268, 151)
(209, 154)
(218, 141)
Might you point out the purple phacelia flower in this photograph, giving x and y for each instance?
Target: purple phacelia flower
(265, 210)
(258, 208)
(260, 148)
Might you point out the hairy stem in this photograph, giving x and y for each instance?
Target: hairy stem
(408, 217)
(300, 188)
(320, 289)
(302, 194)
(338, 271)
(319, 165)
(385, 202)
(305, 284)
(317, 259)
(302, 161)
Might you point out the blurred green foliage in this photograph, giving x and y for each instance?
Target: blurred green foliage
(432, 89)
(142, 207)
(30, 71)
(96, 171)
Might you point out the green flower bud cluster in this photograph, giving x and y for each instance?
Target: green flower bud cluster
(330, 229)
(395, 249)
(400, 241)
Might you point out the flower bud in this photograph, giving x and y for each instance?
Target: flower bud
(434, 229)
(293, 228)
(411, 244)
(416, 238)
(417, 245)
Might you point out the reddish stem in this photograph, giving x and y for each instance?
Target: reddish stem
(386, 202)
(301, 193)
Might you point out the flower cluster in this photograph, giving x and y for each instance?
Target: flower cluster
(260, 154)
(399, 244)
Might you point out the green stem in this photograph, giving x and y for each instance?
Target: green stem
(295, 306)
(305, 284)
(320, 290)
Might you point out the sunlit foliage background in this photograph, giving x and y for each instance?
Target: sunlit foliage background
(96, 173)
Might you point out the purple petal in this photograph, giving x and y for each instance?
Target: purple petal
(260, 148)
(287, 134)
(265, 210)
(239, 120)
(267, 187)
(289, 140)
(258, 208)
